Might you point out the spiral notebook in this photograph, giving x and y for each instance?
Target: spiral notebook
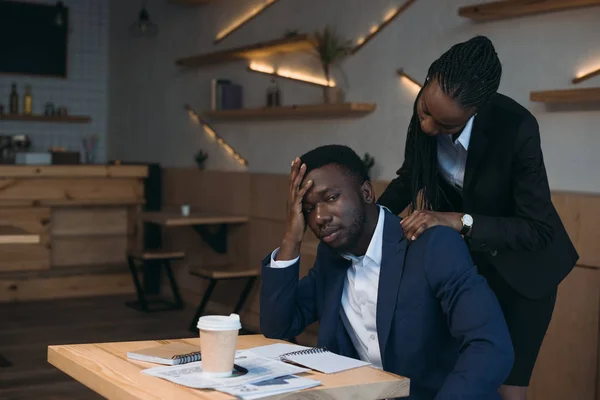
(168, 354)
(322, 360)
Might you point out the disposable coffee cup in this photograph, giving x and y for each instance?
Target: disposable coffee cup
(218, 339)
(185, 210)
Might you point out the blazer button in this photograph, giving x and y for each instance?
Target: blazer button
(494, 253)
(482, 246)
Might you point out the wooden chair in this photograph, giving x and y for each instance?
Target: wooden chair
(213, 276)
(139, 260)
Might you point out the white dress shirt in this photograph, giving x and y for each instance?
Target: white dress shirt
(359, 296)
(452, 155)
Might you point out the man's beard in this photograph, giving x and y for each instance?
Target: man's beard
(355, 231)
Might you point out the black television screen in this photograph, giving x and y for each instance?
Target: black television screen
(34, 39)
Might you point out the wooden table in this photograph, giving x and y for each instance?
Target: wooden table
(104, 368)
(201, 222)
(13, 235)
(197, 218)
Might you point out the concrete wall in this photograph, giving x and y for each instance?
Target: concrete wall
(148, 91)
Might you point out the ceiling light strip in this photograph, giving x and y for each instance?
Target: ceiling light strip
(401, 72)
(375, 29)
(238, 23)
(291, 75)
(587, 76)
(213, 134)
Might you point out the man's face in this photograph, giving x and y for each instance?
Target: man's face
(334, 207)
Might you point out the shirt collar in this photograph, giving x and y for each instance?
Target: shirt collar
(374, 250)
(465, 136)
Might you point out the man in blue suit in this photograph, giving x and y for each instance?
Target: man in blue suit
(418, 310)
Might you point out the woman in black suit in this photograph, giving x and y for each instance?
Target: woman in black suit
(473, 162)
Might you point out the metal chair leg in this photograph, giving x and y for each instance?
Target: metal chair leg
(174, 287)
(211, 287)
(138, 286)
(244, 295)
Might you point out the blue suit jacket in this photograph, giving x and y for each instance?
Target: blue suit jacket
(438, 322)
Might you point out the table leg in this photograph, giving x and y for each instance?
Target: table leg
(152, 240)
(4, 362)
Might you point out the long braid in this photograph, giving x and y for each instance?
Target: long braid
(469, 73)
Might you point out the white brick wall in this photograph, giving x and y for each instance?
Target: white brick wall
(83, 92)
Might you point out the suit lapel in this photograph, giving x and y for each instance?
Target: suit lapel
(477, 145)
(390, 273)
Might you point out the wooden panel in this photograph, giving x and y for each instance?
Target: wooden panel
(30, 219)
(84, 250)
(44, 118)
(88, 221)
(18, 257)
(268, 196)
(70, 191)
(35, 220)
(580, 213)
(11, 235)
(222, 191)
(567, 365)
(517, 8)
(283, 45)
(295, 111)
(81, 171)
(583, 95)
(64, 287)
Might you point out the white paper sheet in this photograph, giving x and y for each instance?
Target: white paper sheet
(271, 387)
(259, 369)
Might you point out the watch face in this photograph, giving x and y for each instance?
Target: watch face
(467, 220)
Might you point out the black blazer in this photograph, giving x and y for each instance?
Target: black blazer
(516, 228)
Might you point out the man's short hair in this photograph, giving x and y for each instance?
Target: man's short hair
(339, 155)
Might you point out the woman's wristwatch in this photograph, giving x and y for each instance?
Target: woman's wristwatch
(467, 224)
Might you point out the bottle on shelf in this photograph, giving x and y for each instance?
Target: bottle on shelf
(27, 101)
(273, 95)
(14, 100)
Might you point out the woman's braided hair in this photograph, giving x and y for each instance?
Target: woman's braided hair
(469, 73)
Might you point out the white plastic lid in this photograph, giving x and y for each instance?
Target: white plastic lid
(219, 323)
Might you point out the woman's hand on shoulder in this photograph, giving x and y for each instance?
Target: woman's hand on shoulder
(419, 221)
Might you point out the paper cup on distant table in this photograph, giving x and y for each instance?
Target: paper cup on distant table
(185, 210)
(218, 340)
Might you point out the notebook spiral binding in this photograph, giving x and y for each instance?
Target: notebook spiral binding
(316, 350)
(187, 358)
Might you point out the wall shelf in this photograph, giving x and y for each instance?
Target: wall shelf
(345, 110)
(517, 8)
(283, 45)
(584, 95)
(74, 119)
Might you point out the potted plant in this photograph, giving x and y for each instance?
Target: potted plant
(331, 49)
(368, 161)
(200, 158)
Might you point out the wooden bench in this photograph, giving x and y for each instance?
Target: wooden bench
(140, 260)
(215, 275)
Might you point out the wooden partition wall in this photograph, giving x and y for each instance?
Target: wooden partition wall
(568, 366)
